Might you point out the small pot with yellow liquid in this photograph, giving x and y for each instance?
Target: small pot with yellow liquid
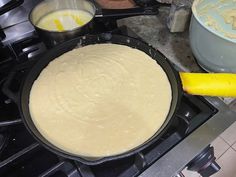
(57, 21)
(60, 20)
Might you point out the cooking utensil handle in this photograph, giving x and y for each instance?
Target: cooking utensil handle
(207, 84)
(123, 13)
(10, 5)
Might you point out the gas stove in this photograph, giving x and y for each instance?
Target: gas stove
(21, 155)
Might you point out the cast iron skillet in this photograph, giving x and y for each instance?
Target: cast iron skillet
(23, 100)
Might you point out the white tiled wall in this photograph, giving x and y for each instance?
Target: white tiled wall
(228, 164)
(225, 152)
(229, 135)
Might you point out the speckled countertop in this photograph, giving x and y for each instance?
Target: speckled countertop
(175, 46)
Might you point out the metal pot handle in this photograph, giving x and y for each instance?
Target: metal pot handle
(123, 13)
(10, 5)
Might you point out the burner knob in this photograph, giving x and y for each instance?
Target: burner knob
(204, 163)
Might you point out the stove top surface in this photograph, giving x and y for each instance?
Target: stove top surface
(21, 155)
(18, 14)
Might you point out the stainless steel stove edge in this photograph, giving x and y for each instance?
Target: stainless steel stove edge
(178, 157)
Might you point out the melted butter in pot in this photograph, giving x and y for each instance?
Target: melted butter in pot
(63, 20)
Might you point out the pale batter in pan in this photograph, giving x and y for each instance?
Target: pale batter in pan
(100, 100)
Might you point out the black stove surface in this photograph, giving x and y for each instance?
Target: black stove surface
(21, 155)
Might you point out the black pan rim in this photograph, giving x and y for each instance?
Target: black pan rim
(104, 38)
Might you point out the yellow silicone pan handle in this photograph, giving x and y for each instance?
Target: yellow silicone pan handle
(209, 84)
